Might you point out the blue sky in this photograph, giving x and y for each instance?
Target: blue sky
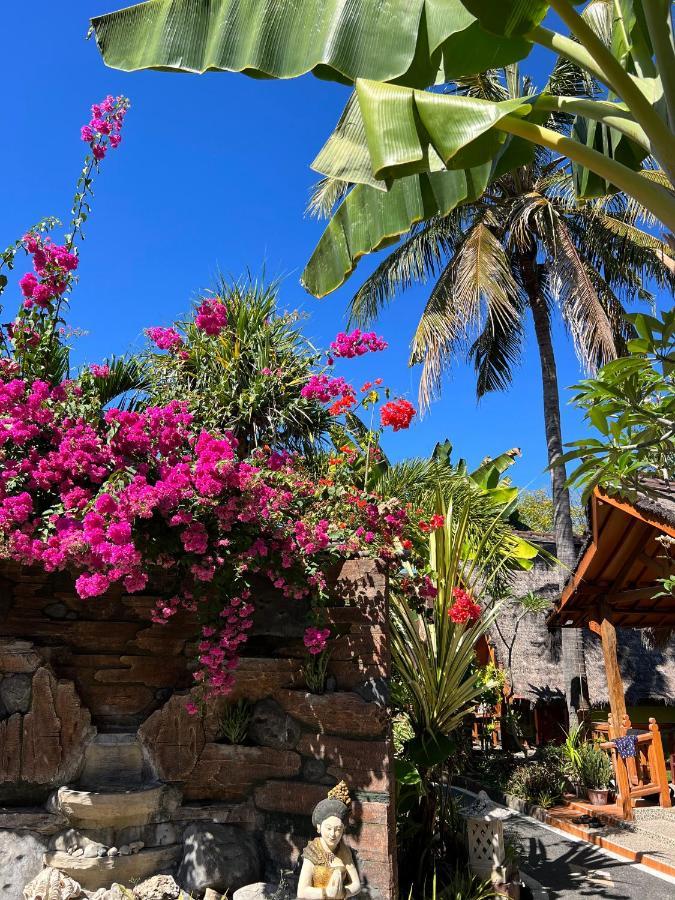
(213, 173)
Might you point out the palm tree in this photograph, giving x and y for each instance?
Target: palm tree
(526, 247)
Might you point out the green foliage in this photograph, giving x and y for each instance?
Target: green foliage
(595, 767)
(415, 153)
(631, 405)
(314, 671)
(494, 679)
(248, 378)
(234, 722)
(535, 511)
(540, 781)
(461, 885)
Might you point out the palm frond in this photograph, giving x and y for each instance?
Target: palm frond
(416, 260)
(325, 196)
(477, 282)
(127, 380)
(581, 309)
(496, 352)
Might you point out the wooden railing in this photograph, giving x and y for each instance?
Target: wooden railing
(642, 775)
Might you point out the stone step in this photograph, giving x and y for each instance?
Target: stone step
(101, 872)
(113, 760)
(118, 808)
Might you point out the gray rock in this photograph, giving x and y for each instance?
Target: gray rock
(165, 833)
(77, 852)
(91, 851)
(136, 846)
(159, 887)
(125, 850)
(15, 693)
(20, 862)
(222, 857)
(56, 610)
(261, 890)
(374, 690)
(113, 851)
(313, 770)
(102, 851)
(271, 726)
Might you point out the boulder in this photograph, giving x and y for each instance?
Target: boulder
(15, 693)
(261, 890)
(160, 887)
(222, 857)
(50, 884)
(20, 861)
(271, 726)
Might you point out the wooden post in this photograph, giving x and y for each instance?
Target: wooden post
(617, 704)
(657, 764)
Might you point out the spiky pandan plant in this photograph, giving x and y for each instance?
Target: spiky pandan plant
(247, 379)
(526, 248)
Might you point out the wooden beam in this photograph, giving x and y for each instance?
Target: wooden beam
(626, 507)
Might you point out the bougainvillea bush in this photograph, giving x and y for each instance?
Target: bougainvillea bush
(117, 495)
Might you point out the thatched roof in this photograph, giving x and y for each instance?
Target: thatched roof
(649, 673)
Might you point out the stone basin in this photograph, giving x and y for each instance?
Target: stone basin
(101, 872)
(100, 809)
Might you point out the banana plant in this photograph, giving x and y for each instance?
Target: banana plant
(409, 151)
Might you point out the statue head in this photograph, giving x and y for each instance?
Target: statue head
(330, 815)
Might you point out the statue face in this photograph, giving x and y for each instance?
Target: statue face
(331, 830)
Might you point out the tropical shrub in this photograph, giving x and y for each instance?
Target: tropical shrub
(234, 722)
(595, 767)
(541, 781)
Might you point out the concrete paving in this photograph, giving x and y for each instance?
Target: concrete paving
(568, 868)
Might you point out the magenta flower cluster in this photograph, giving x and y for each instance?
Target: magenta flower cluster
(52, 265)
(105, 126)
(211, 316)
(325, 389)
(118, 495)
(316, 639)
(165, 338)
(356, 343)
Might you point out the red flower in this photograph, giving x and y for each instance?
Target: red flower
(464, 609)
(398, 414)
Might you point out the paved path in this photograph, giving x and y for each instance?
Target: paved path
(567, 868)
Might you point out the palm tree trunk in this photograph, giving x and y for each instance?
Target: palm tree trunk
(574, 663)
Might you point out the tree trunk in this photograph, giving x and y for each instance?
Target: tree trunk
(574, 663)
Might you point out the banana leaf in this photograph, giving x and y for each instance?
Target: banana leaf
(386, 40)
(369, 219)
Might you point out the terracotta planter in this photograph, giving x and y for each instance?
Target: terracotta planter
(598, 796)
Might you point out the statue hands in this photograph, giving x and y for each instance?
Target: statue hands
(335, 887)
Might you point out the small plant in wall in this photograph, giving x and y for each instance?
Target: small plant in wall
(234, 722)
(315, 668)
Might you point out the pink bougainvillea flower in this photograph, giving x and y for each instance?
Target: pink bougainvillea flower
(99, 371)
(357, 343)
(211, 316)
(165, 338)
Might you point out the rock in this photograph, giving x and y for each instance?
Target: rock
(165, 833)
(136, 846)
(56, 610)
(51, 884)
(102, 851)
(212, 895)
(113, 851)
(20, 861)
(222, 857)
(15, 693)
(173, 739)
(91, 851)
(313, 769)
(160, 887)
(125, 850)
(261, 890)
(271, 726)
(77, 852)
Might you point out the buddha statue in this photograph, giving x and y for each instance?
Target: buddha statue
(328, 869)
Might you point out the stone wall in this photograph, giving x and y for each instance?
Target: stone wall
(101, 667)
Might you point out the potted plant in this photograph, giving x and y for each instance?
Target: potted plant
(596, 772)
